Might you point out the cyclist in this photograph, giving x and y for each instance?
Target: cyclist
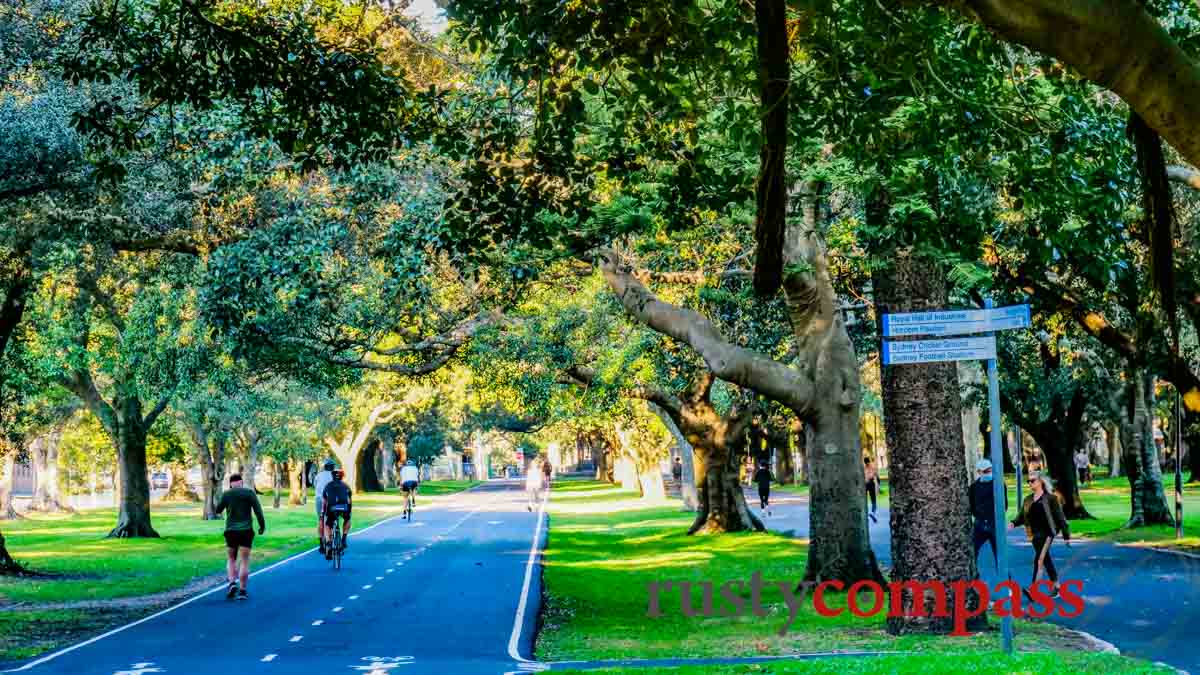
(410, 478)
(319, 484)
(336, 499)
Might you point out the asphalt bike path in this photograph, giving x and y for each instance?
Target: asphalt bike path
(1144, 602)
(439, 594)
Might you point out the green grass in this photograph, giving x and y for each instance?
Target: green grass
(1108, 500)
(599, 562)
(921, 664)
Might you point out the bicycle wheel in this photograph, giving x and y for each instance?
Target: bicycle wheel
(337, 546)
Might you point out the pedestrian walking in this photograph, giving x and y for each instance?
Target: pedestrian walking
(872, 478)
(240, 502)
(763, 478)
(533, 487)
(1082, 463)
(677, 472)
(547, 472)
(983, 509)
(1043, 518)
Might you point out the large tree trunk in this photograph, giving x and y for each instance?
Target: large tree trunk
(719, 443)
(1191, 442)
(180, 491)
(8, 566)
(387, 458)
(367, 478)
(133, 515)
(210, 453)
(349, 448)
(249, 459)
(930, 519)
(800, 433)
(1059, 438)
(1112, 440)
(1147, 502)
(779, 439)
(295, 471)
(7, 512)
(839, 543)
(276, 482)
(43, 453)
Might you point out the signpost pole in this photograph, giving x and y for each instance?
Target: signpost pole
(1178, 469)
(998, 487)
(1019, 464)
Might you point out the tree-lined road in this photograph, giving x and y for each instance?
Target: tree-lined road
(438, 595)
(1144, 602)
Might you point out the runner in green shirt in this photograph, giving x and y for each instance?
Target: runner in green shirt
(239, 533)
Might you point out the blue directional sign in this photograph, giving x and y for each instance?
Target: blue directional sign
(956, 322)
(932, 351)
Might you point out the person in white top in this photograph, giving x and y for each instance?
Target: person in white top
(410, 477)
(535, 482)
(324, 478)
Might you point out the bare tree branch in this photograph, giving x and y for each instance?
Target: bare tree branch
(726, 360)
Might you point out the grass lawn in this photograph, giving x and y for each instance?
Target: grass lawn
(117, 579)
(1108, 500)
(600, 558)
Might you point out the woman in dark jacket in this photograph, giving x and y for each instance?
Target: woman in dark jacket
(1043, 518)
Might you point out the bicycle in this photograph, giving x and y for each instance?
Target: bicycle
(335, 541)
(409, 503)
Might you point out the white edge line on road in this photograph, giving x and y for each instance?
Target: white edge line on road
(268, 658)
(519, 620)
(172, 608)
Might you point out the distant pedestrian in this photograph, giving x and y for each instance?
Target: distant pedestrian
(533, 487)
(547, 472)
(239, 533)
(677, 471)
(763, 478)
(1043, 518)
(872, 478)
(983, 508)
(1082, 463)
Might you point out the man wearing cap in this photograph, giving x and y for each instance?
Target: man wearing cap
(983, 508)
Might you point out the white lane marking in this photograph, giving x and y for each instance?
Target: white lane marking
(518, 621)
(391, 570)
(367, 587)
(141, 669)
(318, 622)
(269, 658)
(495, 522)
(354, 597)
(378, 578)
(296, 638)
(381, 665)
(172, 608)
(337, 609)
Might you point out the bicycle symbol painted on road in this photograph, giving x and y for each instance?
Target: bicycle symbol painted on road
(382, 665)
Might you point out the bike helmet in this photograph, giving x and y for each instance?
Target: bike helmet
(330, 465)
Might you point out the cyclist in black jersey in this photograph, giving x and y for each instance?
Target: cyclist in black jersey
(337, 503)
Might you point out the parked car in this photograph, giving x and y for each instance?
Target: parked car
(159, 480)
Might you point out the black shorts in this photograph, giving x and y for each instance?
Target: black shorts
(332, 514)
(409, 485)
(239, 538)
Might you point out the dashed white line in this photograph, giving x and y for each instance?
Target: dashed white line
(378, 578)
(268, 658)
(366, 587)
(354, 597)
(296, 638)
(391, 570)
(337, 609)
(318, 622)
